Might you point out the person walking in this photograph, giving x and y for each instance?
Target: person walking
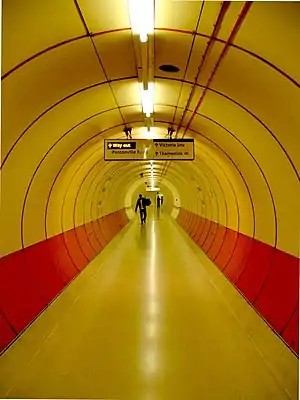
(142, 205)
(158, 200)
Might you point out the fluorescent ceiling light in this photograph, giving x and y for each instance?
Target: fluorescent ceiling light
(149, 133)
(147, 98)
(142, 17)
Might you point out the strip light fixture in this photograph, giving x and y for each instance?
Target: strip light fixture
(142, 18)
(147, 99)
(149, 132)
(152, 174)
(141, 13)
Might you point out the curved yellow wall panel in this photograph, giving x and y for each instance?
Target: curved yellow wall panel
(11, 199)
(78, 155)
(38, 25)
(61, 82)
(227, 177)
(182, 14)
(116, 43)
(276, 24)
(76, 176)
(218, 191)
(185, 91)
(35, 204)
(262, 93)
(82, 187)
(94, 188)
(127, 92)
(166, 93)
(208, 180)
(102, 16)
(240, 206)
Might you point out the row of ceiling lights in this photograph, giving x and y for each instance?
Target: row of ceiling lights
(152, 174)
(141, 14)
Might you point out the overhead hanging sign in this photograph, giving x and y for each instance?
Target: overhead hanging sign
(122, 150)
(173, 149)
(149, 149)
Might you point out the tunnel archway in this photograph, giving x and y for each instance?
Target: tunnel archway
(74, 82)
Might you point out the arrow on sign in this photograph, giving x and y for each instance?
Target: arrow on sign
(156, 144)
(109, 145)
(156, 153)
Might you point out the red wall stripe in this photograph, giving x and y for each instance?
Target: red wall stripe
(204, 233)
(256, 270)
(227, 249)
(236, 265)
(31, 278)
(83, 241)
(20, 300)
(99, 234)
(77, 256)
(92, 237)
(280, 294)
(7, 334)
(291, 332)
(217, 242)
(201, 222)
(247, 262)
(41, 269)
(210, 236)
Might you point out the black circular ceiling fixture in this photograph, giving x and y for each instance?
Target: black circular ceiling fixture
(169, 68)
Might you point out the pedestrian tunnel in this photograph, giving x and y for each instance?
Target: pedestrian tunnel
(226, 239)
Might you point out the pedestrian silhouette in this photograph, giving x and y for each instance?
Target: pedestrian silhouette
(142, 204)
(158, 201)
(127, 132)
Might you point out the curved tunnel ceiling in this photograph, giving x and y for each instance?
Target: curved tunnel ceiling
(70, 78)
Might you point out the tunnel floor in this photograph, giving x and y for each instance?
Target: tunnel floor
(145, 320)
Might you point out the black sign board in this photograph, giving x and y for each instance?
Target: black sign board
(121, 145)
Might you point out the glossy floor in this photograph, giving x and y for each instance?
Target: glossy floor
(149, 318)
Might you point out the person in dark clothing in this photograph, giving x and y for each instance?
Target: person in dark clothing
(127, 132)
(158, 200)
(141, 204)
